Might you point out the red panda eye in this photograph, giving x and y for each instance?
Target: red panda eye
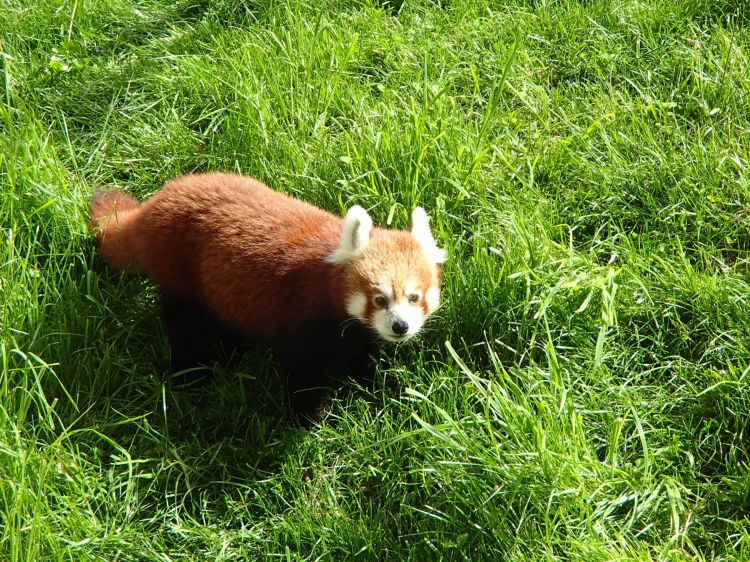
(413, 299)
(381, 301)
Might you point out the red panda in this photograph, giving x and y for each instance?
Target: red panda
(230, 255)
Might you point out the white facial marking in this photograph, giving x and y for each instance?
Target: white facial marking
(410, 314)
(432, 298)
(355, 236)
(411, 288)
(382, 325)
(386, 289)
(420, 230)
(356, 305)
(384, 319)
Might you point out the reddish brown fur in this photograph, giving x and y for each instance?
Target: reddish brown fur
(251, 256)
(112, 211)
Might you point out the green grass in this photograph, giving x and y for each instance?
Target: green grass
(581, 395)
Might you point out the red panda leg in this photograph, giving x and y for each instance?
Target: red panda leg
(317, 359)
(308, 401)
(363, 364)
(196, 340)
(307, 382)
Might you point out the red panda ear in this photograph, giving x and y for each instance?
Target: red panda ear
(355, 236)
(420, 229)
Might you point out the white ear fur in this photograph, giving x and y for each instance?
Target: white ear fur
(420, 229)
(355, 236)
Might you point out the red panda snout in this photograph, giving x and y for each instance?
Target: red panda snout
(401, 309)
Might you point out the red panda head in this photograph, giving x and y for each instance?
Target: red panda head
(391, 277)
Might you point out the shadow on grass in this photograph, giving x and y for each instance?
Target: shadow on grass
(161, 446)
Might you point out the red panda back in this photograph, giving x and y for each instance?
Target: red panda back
(259, 260)
(249, 255)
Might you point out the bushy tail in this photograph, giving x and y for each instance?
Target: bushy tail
(114, 217)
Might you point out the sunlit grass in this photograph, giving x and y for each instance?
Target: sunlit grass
(582, 393)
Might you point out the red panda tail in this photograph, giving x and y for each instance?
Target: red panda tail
(113, 218)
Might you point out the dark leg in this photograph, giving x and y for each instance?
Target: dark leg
(317, 359)
(308, 397)
(195, 339)
(362, 365)
(307, 368)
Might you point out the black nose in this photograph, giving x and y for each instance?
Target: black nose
(400, 327)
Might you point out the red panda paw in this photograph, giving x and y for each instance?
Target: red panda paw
(308, 406)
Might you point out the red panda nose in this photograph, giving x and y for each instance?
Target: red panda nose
(400, 327)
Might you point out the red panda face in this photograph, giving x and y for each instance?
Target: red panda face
(394, 307)
(391, 278)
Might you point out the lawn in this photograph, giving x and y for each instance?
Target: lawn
(582, 393)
